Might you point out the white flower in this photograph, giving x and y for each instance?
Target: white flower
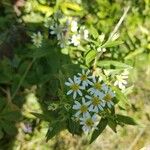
(109, 94)
(75, 40)
(75, 87)
(121, 79)
(84, 78)
(37, 39)
(62, 41)
(57, 30)
(97, 102)
(74, 26)
(82, 108)
(84, 33)
(97, 86)
(89, 122)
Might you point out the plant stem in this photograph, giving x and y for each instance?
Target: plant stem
(23, 77)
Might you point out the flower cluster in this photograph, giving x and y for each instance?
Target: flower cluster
(121, 79)
(66, 30)
(91, 97)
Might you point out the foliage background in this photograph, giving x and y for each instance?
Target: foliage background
(15, 44)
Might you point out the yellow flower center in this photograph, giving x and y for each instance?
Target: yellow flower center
(108, 97)
(75, 87)
(84, 77)
(97, 86)
(83, 108)
(89, 122)
(95, 101)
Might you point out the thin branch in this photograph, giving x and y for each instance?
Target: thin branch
(119, 22)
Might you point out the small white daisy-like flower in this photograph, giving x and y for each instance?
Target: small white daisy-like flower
(89, 123)
(121, 79)
(84, 78)
(74, 26)
(37, 39)
(75, 40)
(81, 108)
(57, 30)
(75, 87)
(109, 95)
(62, 41)
(96, 102)
(97, 86)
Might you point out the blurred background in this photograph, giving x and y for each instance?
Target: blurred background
(104, 15)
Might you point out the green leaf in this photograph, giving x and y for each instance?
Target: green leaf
(2, 104)
(94, 32)
(101, 126)
(122, 99)
(9, 127)
(125, 119)
(111, 44)
(74, 127)
(109, 63)
(134, 54)
(11, 116)
(90, 56)
(54, 129)
(1, 133)
(112, 124)
(41, 116)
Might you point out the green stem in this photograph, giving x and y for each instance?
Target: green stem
(23, 77)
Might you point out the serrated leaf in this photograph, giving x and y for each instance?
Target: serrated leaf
(125, 119)
(101, 126)
(90, 56)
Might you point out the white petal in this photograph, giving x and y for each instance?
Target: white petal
(76, 79)
(88, 71)
(95, 109)
(88, 97)
(78, 113)
(88, 103)
(103, 104)
(74, 95)
(108, 104)
(124, 81)
(91, 108)
(69, 92)
(67, 83)
(100, 107)
(116, 83)
(83, 100)
(111, 103)
(70, 80)
(79, 92)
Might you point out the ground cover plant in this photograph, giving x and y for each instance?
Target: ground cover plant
(68, 65)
